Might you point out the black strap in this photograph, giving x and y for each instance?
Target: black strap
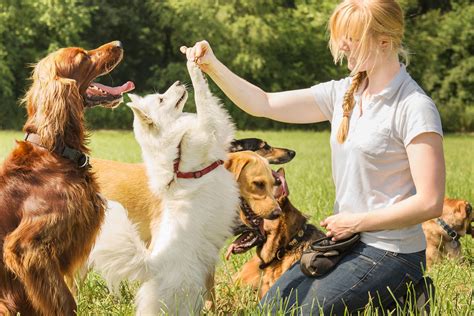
(448, 229)
(77, 156)
(293, 243)
(81, 159)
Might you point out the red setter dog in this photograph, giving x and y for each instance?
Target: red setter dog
(50, 210)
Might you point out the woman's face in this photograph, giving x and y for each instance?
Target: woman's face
(349, 47)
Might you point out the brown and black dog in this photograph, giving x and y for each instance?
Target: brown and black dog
(457, 216)
(50, 209)
(274, 155)
(282, 244)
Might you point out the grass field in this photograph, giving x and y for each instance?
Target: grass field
(311, 187)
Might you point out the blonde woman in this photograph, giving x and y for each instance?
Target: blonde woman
(387, 157)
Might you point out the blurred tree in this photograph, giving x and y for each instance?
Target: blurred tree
(276, 44)
(29, 29)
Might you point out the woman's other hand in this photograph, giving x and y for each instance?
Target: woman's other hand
(342, 225)
(201, 53)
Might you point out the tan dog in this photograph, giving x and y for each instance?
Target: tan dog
(285, 240)
(457, 215)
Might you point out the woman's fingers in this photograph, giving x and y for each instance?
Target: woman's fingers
(201, 49)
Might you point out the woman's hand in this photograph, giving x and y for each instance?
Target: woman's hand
(201, 53)
(342, 225)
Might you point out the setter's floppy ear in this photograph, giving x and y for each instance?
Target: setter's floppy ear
(52, 103)
(236, 163)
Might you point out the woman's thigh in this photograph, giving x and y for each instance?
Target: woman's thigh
(365, 273)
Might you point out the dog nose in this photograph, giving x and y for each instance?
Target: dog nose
(178, 83)
(275, 214)
(292, 153)
(118, 44)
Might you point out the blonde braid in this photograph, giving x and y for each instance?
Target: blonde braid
(348, 105)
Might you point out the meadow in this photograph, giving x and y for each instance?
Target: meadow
(312, 191)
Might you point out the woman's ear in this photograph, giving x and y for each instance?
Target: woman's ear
(385, 43)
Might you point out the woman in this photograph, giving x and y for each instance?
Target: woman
(387, 157)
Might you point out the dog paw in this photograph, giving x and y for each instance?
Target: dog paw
(195, 72)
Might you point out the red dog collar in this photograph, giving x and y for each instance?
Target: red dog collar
(196, 174)
(193, 174)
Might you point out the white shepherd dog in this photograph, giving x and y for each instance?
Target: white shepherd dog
(183, 154)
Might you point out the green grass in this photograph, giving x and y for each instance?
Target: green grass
(310, 182)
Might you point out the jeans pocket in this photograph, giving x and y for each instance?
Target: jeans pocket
(416, 261)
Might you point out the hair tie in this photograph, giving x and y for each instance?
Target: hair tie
(346, 114)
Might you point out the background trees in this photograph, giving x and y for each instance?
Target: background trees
(277, 44)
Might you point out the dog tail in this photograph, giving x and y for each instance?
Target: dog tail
(119, 253)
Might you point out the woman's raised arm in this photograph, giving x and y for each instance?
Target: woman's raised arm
(295, 106)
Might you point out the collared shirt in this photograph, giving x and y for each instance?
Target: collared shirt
(371, 169)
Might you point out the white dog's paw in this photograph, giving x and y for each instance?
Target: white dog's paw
(195, 72)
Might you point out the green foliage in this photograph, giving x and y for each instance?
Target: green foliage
(444, 62)
(29, 29)
(276, 44)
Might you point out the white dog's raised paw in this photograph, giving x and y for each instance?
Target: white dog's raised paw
(195, 72)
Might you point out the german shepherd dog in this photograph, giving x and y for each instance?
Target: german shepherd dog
(280, 242)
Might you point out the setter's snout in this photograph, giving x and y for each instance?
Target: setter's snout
(118, 44)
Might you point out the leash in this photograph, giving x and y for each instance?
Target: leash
(76, 156)
(193, 174)
(294, 242)
(450, 231)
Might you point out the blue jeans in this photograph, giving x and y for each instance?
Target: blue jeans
(363, 275)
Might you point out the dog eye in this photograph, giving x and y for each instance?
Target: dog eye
(259, 184)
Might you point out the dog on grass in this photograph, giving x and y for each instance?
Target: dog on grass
(442, 234)
(282, 244)
(274, 155)
(184, 155)
(144, 208)
(49, 204)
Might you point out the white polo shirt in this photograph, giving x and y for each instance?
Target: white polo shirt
(370, 169)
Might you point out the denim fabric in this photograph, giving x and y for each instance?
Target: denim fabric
(364, 273)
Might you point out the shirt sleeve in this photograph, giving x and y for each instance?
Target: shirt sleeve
(420, 116)
(326, 93)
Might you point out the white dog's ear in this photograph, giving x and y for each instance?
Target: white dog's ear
(137, 111)
(135, 98)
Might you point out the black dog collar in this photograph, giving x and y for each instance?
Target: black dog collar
(450, 231)
(77, 156)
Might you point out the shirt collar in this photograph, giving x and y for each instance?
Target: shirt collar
(393, 86)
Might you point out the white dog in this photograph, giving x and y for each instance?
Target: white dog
(198, 207)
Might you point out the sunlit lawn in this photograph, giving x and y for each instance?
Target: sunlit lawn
(311, 187)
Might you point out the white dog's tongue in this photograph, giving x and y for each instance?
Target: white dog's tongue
(126, 87)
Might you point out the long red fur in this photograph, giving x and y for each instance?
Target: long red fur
(50, 212)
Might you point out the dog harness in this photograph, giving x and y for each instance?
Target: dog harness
(77, 156)
(193, 174)
(450, 231)
(294, 242)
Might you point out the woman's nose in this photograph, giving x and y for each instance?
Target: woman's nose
(344, 46)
